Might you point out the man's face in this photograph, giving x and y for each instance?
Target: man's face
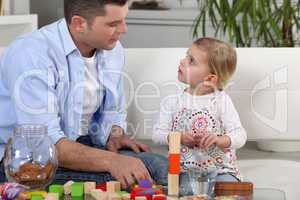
(105, 31)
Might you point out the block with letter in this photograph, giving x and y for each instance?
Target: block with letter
(113, 186)
(89, 186)
(67, 187)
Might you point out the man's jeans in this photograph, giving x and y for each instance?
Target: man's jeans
(157, 166)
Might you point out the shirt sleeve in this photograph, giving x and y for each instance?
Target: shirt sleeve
(163, 126)
(30, 82)
(232, 124)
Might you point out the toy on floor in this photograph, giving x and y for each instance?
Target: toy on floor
(146, 190)
(12, 191)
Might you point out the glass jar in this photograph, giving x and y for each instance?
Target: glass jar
(30, 157)
(196, 182)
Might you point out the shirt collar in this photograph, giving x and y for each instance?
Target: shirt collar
(68, 43)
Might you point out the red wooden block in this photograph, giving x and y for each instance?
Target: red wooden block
(101, 187)
(159, 197)
(174, 163)
(133, 195)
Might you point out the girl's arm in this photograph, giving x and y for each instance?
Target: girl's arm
(165, 120)
(234, 131)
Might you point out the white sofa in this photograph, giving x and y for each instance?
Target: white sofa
(265, 91)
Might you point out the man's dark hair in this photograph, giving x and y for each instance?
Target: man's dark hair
(88, 9)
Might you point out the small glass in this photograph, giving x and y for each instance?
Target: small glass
(30, 157)
(202, 183)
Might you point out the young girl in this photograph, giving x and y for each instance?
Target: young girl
(204, 114)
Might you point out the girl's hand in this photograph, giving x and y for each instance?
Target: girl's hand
(207, 140)
(188, 140)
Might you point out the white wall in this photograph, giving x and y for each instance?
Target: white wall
(17, 7)
(175, 3)
(20, 7)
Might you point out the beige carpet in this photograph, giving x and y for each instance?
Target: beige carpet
(276, 174)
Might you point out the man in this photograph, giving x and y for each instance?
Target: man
(68, 76)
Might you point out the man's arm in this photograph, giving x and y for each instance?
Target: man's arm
(118, 140)
(76, 156)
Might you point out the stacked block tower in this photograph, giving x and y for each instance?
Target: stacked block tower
(174, 164)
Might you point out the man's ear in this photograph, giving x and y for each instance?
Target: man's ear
(79, 24)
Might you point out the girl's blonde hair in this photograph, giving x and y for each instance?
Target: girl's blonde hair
(221, 58)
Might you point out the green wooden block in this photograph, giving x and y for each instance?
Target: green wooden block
(78, 198)
(77, 189)
(121, 193)
(37, 197)
(57, 189)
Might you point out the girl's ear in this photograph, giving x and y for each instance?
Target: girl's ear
(212, 80)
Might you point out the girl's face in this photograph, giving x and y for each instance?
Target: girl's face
(193, 69)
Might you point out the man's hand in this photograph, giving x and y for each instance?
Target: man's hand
(128, 170)
(118, 140)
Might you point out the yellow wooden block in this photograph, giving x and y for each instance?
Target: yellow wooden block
(173, 184)
(113, 186)
(89, 186)
(174, 142)
(36, 193)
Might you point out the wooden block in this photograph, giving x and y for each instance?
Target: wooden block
(173, 184)
(174, 143)
(113, 186)
(248, 186)
(52, 196)
(36, 197)
(121, 193)
(159, 197)
(172, 198)
(141, 198)
(99, 195)
(234, 188)
(126, 196)
(67, 187)
(57, 189)
(77, 189)
(114, 196)
(29, 194)
(174, 163)
(89, 186)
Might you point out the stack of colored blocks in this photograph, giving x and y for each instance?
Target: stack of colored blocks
(174, 164)
(146, 191)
